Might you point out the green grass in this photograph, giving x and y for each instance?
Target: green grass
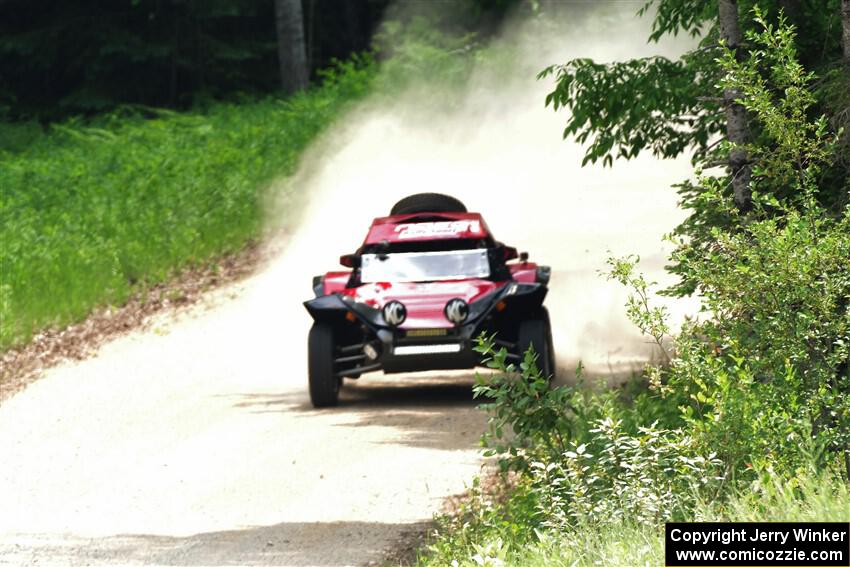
(501, 534)
(91, 212)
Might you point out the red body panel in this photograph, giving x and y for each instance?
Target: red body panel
(335, 282)
(424, 301)
(525, 272)
(405, 228)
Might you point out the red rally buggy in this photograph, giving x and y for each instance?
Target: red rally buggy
(427, 280)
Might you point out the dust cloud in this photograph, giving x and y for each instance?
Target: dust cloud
(495, 146)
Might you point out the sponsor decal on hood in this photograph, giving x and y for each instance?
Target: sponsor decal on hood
(438, 229)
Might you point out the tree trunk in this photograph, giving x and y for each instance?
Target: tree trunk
(291, 51)
(845, 36)
(737, 128)
(175, 48)
(352, 28)
(310, 27)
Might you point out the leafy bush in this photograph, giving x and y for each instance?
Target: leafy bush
(809, 497)
(491, 520)
(763, 378)
(588, 457)
(527, 420)
(616, 477)
(766, 372)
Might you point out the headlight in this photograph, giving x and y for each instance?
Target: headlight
(456, 310)
(394, 313)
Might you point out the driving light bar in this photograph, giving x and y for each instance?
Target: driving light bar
(427, 332)
(426, 349)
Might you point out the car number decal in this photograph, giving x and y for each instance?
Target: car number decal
(440, 228)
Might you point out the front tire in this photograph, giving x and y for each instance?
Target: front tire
(537, 332)
(324, 383)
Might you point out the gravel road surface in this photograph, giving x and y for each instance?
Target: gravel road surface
(194, 443)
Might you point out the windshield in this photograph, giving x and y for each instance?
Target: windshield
(424, 266)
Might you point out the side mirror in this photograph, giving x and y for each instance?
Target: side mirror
(510, 253)
(350, 260)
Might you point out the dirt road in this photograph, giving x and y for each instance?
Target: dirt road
(195, 444)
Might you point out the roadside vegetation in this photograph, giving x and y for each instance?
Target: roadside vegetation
(748, 418)
(512, 532)
(97, 206)
(94, 210)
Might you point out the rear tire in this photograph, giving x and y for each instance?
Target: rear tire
(324, 384)
(537, 332)
(428, 203)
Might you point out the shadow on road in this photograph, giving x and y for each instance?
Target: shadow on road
(289, 543)
(371, 392)
(436, 411)
(402, 393)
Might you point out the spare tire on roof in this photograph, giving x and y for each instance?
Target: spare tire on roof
(428, 203)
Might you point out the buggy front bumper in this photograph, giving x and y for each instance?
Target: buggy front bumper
(371, 344)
